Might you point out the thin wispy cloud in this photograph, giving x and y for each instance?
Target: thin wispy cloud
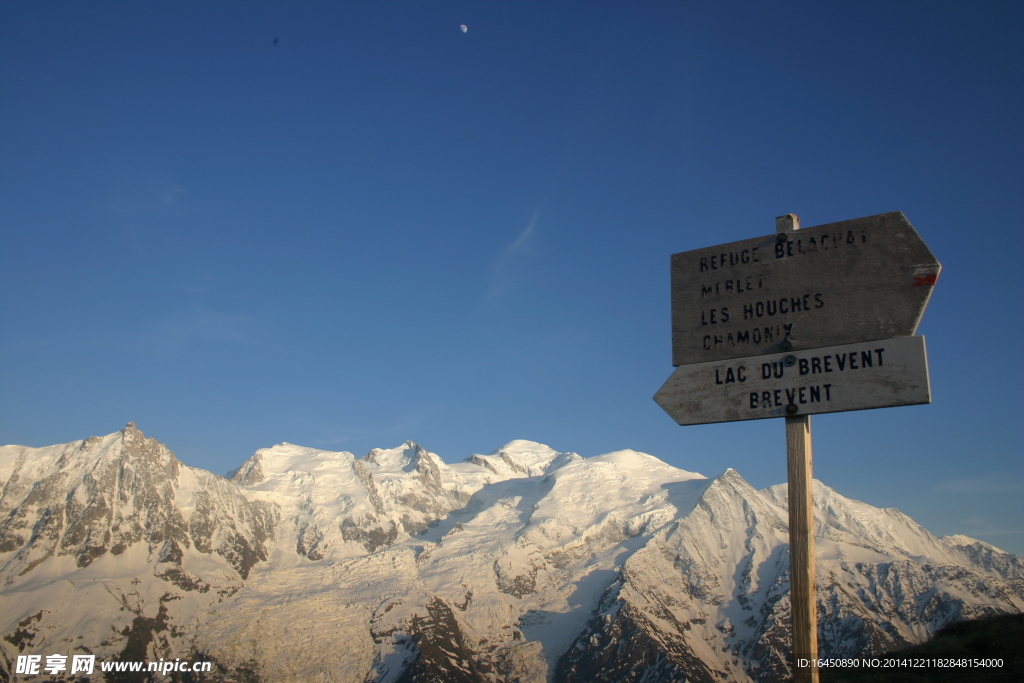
(342, 438)
(183, 329)
(141, 215)
(503, 268)
(153, 201)
(191, 288)
(524, 237)
(169, 194)
(196, 284)
(979, 526)
(980, 485)
(199, 325)
(384, 436)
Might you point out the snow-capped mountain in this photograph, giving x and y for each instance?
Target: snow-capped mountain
(522, 565)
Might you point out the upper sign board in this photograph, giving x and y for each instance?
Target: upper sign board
(841, 283)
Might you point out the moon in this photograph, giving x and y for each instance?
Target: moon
(463, 27)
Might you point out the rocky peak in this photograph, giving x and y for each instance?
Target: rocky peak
(404, 458)
(731, 491)
(1006, 565)
(251, 471)
(122, 490)
(136, 445)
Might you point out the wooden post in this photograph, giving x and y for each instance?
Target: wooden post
(801, 528)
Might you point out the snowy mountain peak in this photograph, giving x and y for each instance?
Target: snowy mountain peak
(733, 481)
(629, 459)
(522, 458)
(967, 541)
(286, 457)
(404, 458)
(840, 519)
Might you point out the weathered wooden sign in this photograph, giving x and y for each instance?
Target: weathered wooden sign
(798, 323)
(858, 280)
(877, 374)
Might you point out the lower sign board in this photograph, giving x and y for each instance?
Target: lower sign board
(878, 374)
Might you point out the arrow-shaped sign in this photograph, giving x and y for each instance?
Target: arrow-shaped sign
(876, 374)
(855, 281)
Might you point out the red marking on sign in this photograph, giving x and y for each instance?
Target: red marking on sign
(927, 280)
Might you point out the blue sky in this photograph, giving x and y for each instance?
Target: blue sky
(381, 228)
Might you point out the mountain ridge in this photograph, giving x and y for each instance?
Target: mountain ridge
(524, 564)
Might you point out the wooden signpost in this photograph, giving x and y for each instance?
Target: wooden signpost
(795, 324)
